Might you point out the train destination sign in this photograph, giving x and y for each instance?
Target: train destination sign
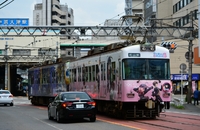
(133, 54)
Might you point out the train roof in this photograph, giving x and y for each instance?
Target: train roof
(115, 47)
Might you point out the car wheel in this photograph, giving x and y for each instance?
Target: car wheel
(93, 119)
(58, 117)
(49, 115)
(5, 104)
(11, 104)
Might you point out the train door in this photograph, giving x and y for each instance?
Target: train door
(119, 79)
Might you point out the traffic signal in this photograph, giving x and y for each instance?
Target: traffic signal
(173, 46)
(169, 45)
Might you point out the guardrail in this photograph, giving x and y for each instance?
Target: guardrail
(177, 101)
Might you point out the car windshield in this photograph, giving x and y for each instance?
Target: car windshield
(70, 96)
(4, 92)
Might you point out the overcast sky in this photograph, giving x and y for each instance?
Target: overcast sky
(86, 12)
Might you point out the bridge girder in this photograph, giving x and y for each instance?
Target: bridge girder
(96, 31)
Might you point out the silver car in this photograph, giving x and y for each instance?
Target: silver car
(6, 97)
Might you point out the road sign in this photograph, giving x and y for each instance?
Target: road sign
(187, 55)
(183, 66)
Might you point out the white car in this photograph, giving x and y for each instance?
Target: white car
(6, 97)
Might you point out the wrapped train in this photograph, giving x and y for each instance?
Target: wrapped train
(126, 81)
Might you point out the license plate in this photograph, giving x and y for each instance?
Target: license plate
(79, 106)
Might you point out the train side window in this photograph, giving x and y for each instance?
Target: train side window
(93, 73)
(97, 73)
(48, 75)
(43, 77)
(53, 76)
(71, 75)
(86, 74)
(74, 75)
(113, 71)
(90, 73)
(79, 74)
(62, 73)
(104, 71)
(103, 77)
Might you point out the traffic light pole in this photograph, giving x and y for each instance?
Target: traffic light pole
(189, 94)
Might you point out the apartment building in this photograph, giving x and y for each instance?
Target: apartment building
(51, 12)
(178, 10)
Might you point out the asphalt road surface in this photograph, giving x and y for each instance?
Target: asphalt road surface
(24, 116)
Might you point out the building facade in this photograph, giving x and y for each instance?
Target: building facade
(178, 11)
(51, 12)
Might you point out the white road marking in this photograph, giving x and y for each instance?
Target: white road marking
(47, 124)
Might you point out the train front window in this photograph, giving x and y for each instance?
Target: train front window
(159, 69)
(134, 69)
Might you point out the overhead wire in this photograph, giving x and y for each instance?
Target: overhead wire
(5, 4)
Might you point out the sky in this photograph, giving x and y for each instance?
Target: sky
(86, 12)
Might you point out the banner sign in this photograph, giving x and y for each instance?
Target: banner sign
(184, 77)
(14, 22)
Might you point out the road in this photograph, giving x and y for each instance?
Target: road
(24, 116)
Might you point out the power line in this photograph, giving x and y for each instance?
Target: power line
(5, 3)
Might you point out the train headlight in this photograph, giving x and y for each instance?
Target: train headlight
(143, 48)
(152, 48)
(147, 47)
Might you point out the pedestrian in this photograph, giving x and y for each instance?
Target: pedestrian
(196, 96)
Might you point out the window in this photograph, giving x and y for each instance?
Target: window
(93, 73)
(53, 75)
(90, 73)
(97, 73)
(113, 71)
(2, 52)
(21, 52)
(185, 3)
(195, 17)
(47, 52)
(72, 96)
(138, 69)
(62, 73)
(103, 72)
(86, 73)
(79, 74)
(181, 4)
(74, 74)
(178, 6)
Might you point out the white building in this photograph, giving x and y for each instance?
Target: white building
(51, 12)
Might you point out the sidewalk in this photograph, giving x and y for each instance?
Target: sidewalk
(188, 108)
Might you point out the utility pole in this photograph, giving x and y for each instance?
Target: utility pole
(191, 38)
(6, 66)
(56, 50)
